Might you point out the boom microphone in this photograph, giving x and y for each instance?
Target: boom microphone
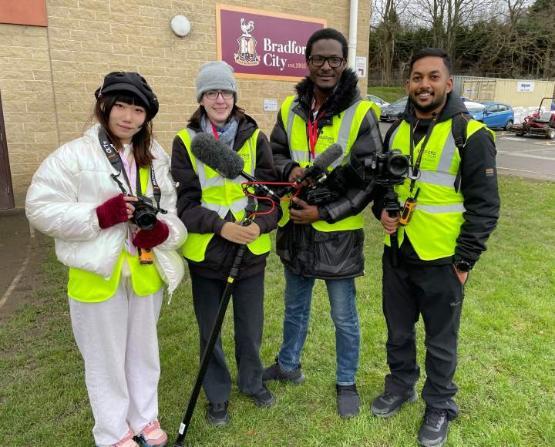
(322, 162)
(224, 160)
(217, 155)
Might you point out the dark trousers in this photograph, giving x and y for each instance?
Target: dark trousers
(435, 292)
(248, 319)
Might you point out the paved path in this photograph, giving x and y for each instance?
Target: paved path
(20, 256)
(532, 157)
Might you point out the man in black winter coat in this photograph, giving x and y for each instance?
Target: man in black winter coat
(453, 183)
(324, 240)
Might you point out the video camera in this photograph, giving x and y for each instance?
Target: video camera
(328, 188)
(319, 194)
(388, 168)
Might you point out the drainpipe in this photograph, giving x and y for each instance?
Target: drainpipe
(353, 22)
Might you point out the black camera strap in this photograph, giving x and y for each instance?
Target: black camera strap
(115, 160)
(156, 192)
(416, 166)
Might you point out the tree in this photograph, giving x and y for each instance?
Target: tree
(542, 19)
(501, 38)
(385, 35)
(447, 18)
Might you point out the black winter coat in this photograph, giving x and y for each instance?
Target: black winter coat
(197, 219)
(304, 250)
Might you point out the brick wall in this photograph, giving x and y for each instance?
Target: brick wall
(27, 100)
(48, 75)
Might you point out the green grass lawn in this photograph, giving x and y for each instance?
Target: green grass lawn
(390, 94)
(506, 368)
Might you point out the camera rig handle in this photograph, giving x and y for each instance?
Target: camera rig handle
(391, 205)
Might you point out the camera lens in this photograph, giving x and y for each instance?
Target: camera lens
(398, 165)
(145, 220)
(145, 214)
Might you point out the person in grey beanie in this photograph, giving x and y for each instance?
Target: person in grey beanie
(214, 235)
(214, 76)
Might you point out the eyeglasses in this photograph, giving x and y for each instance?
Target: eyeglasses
(213, 94)
(319, 61)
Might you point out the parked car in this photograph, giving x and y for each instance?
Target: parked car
(492, 114)
(394, 110)
(377, 100)
(476, 109)
(498, 115)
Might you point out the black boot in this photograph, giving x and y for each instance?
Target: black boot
(387, 404)
(433, 431)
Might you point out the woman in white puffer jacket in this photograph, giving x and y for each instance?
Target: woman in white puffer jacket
(115, 295)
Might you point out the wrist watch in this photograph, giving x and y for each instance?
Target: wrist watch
(464, 266)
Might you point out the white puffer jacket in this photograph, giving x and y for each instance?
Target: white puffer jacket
(65, 192)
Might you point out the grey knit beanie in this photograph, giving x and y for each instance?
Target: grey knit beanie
(217, 75)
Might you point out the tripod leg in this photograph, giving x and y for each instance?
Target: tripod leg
(184, 426)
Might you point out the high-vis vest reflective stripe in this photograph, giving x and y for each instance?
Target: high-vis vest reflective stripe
(221, 195)
(343, 130)
(376, 108)
(90, 287)
(437, 218)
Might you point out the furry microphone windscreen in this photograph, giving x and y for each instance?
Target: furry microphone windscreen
(217, 155)
(327, 157)
(322, 162)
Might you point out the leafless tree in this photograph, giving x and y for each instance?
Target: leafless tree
(387, 26)
(506, 38)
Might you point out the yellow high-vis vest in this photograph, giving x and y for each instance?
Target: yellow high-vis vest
(221, 195)
(91, 288)
(376, 108)
(438, 216)
(343, 130)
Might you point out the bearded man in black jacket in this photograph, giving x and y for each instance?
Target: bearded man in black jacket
(454, 185)
(323, 241)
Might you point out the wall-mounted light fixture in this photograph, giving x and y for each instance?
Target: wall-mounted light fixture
(180, 25)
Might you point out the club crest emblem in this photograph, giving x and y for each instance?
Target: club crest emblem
(247, 54)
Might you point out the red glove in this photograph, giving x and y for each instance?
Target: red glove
(146, 239)
(112, 212)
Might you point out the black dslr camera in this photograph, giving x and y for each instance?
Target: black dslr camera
(145, 212)
(388, 168)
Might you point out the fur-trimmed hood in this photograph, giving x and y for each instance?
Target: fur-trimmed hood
(346, 92)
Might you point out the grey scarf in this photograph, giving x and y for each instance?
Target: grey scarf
(226, 133)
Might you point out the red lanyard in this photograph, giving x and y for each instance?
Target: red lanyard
(215, 132)
(312, 128)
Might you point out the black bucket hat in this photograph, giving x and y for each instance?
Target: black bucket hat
(130, 81)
